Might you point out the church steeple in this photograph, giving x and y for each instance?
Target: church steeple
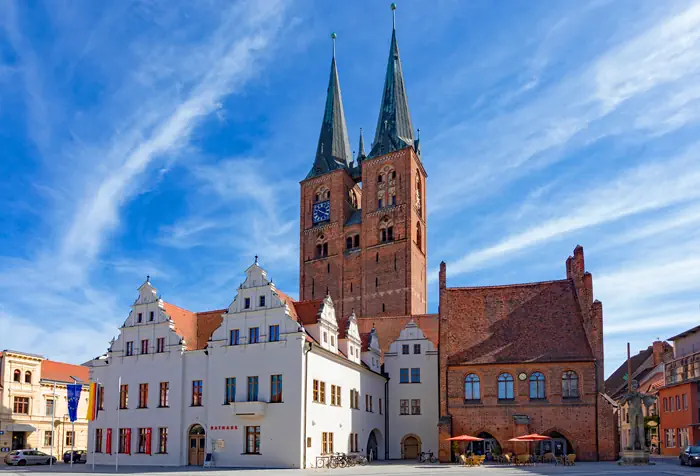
(361, 150)
(333, 149)
(394, 128)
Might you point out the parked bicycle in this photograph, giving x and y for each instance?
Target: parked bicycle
(427, 456)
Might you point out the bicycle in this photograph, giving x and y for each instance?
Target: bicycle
(361, 460)
(427, 456)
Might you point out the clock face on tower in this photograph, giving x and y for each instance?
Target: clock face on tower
(322, 211)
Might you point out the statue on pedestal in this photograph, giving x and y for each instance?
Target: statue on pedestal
(635, 401)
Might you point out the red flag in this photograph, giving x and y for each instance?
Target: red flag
(127, 450)
(148, 441)
(108, 445)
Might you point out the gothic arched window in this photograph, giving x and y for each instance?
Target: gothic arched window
(386, 230)
(537, 391)
(419, 237)
(569, 384)
(472, 387)
(505, 387)
(419, 188)
(321, 247)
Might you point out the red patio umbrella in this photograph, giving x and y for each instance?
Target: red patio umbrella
(531, 437)
(465, 438)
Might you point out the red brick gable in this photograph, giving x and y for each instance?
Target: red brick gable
(536, 322)
(389, 327)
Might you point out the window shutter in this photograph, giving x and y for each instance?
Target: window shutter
(148, 441)
(108, 445)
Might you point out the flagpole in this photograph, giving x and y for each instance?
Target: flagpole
(95, 410)
(53, 421)
(72, 424)
(116, 461)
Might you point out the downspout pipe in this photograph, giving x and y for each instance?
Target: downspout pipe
(386, 418)
(306, 349)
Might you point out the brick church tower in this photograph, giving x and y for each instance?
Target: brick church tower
(363, 221)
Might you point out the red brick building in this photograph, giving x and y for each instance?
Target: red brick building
(363, 242)
(525, 358)
(678, 398)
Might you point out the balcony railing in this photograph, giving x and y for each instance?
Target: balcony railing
(682, 369)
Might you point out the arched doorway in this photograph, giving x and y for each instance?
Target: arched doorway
(372, 446)
(489, 447)
(197, 441)
(559, 445)
(410, 447)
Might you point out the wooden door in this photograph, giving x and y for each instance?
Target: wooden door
(195, 456)
(411, 448)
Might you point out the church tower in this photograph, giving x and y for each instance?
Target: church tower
(363, 221)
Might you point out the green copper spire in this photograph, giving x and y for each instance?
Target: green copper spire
(394, 127)
(333, 149)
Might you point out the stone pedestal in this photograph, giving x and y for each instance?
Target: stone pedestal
(634, 457)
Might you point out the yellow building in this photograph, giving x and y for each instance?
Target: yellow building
(28, 404)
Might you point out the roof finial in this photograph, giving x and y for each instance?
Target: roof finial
(418, 134)
(333, 37)
(256, 259)
(393, 14)
(148, 278)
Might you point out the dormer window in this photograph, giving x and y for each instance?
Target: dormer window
(262, 301)
(246, 303)
(325, 337)
(332, 341)
(140, 318)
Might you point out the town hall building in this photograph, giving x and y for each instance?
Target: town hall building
(357, 365)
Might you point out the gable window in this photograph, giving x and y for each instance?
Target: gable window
(130, 348)
(403, 376)
(230, 390)
(253, 335)
(160, 345)
(246, 303)
(143, 395)
(472, 388)
(274, 333)
(17, 375)
(415, 375)
(332, 341)
(197, 393)
(144, 346)
(253, 389)
(537, 391)
(404, 349)
(163, 395)
(27, 377)
(403, 407)
(569, 384)
(140, 317)
(124, 396)
(416, 348)
(505, 387)
(276, 389)
(151, 315)
(262, 301)
(234, 337)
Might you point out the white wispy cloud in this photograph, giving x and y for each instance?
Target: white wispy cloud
(168, 84)
(649, 187)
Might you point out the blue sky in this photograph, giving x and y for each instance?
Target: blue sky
(168, 138)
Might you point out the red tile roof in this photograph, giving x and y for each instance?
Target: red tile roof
(535, 322)
(307, 311)
(389, 327)
(207, 323)
(291, 304)
(61, 372)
